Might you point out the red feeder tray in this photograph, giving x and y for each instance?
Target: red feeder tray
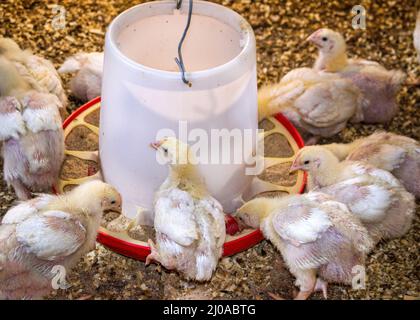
(127, 246)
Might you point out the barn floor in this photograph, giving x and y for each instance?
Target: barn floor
(281, 28)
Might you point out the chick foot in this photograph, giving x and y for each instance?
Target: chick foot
(303, 295)
(154, 254)
(321, 286)
(21, 191)
(306, 281)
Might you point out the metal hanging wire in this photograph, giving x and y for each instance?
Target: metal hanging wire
(179, 60)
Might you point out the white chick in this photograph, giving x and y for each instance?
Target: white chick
(49, 231)
(37, 71)
(86, 84)
(378, 85)
(319, 239)
(318, 103)
(375, 196)
(189, 223)
(388, 151)
(31, 132)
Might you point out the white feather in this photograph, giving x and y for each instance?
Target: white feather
(24, 210)
(314, 196)
(46, 242)
(168, 245)
(71, 64)
(205, 267)
(356, 180)
(47, 118)
(306, 74)
(57, 214)
(286, 93)
(94, 61)
(385, 176)
(11, 126)
(374, 206)
(174, 216)
(308, 230)
(358, 169)
(19, 213)
(335, 204)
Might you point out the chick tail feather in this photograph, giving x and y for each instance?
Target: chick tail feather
(205, 266)
(275, 99)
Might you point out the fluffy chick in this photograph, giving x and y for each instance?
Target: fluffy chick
(31, 132)
(86, 84)
(388, 151)
(375, 196)
(189, 223)
(378, 85)
(319, 239)
(37, 71)
(318, 103)
(39, 234)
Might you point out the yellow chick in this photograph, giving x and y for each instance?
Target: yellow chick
(318, 237)
(189, 223)
(318, 103)
(37, 71)
(32, 134)
(375, 196)
(378, 85)
(39, 235)
(388, 151)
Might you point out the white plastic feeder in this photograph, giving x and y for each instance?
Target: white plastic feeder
(143, 93)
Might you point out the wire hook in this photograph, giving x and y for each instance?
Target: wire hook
(179, 60)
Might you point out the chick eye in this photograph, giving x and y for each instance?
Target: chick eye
(113, 202)
(324, 39)
(306, 162)
(165, 150)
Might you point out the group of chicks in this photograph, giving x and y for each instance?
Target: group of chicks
(357, 196)
(321, 100)
(32, 105)
(358, 193)
(57, 230)
(41, 233)
(31, 99)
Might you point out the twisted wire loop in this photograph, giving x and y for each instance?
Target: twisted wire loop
(179, 60)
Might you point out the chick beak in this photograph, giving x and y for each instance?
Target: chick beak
(314, 39)
(295, 166)
(156, 145)
(119, 207)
